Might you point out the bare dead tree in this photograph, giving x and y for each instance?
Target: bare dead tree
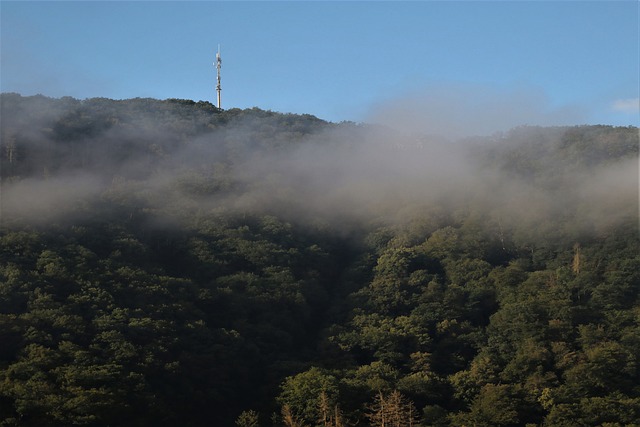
(393, 410)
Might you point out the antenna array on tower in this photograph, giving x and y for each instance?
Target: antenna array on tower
(218, 65)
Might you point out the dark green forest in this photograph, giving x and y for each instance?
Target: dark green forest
(167, 263)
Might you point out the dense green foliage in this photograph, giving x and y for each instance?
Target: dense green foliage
(158, 287)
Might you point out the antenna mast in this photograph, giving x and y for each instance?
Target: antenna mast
(218, 65)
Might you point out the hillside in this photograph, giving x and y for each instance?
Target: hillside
(168, 263)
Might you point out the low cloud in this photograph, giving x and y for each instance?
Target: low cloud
(258, 163)
(458, 110)
(38, 200)
(629, 105)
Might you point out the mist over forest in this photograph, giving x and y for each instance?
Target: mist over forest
(61, 152)
(165, 262)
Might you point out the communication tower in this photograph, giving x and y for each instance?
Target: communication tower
(218, 65)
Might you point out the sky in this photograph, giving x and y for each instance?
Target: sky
(490, 64)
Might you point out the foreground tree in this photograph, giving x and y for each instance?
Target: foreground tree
(392, 410)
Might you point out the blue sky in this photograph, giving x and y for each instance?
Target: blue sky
(556, 62)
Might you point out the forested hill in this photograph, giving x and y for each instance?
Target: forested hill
(167, 263)
(45, 136)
